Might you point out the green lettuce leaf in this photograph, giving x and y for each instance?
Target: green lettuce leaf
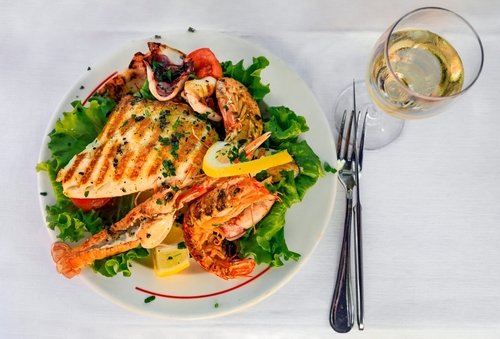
(284, 124)
(250, 77)
(144, 91)
(309, 164)
(71, 223)
(119, 263)
(77, 128)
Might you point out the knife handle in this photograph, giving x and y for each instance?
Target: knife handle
(358, 266)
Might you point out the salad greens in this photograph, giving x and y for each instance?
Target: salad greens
(284, 124)
(79, 127)
(250, 77)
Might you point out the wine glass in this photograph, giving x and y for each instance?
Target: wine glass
(428, 57)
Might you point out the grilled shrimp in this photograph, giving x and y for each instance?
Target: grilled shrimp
(240, 112)
(220, 214)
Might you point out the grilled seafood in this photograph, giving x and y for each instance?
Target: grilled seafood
(166, 71)
(197, 93)
(147, 225)
(160, 144)
(126, 82)
(240, 112)
(119, 238)
(161, 59)
(210, 220)
(144, 144)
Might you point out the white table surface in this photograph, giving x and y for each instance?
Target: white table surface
(431, 199)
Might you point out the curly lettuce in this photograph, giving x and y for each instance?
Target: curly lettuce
(77, 128)
(250, 77)
(119, 263)
(284, 124)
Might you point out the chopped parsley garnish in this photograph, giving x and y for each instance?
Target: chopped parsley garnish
(329, 168)
(173, 141)
(176, 123)
(169, 168)
(43, 194)
(181, 245)
(242, 157)
(164, 141)
(216, 305)
(261, 175)
(149, 299)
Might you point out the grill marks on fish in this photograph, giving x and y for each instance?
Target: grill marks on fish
(144, 154)
(129, 154)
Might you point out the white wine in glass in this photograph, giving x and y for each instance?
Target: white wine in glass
(426, 58)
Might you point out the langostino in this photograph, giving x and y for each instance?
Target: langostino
(223, 213)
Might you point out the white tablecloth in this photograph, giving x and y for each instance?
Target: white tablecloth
(431, 215)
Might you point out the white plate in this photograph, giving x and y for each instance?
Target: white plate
(195, 293)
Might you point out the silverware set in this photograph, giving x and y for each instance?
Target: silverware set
(350, 146)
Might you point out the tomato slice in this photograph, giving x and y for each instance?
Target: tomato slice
(205, 63)
(90, 204)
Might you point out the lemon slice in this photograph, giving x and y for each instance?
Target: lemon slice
(216, 163)
(169, 259)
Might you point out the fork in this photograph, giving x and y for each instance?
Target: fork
(341, 311)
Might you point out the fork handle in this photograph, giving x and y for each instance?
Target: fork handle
(341, 311)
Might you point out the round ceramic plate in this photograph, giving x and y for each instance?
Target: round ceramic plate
(194, 293)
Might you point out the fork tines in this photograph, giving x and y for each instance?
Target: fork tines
(349, 128)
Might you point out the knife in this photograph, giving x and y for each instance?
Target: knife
(358, 248)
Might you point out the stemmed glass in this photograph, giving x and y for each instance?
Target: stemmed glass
(425, 59)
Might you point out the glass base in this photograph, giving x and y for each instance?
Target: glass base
(381, 128)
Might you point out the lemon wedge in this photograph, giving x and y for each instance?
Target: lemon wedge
(175, 236)
(169, 259)
(216, 162)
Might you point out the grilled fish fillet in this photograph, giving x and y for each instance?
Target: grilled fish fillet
(143, 145)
